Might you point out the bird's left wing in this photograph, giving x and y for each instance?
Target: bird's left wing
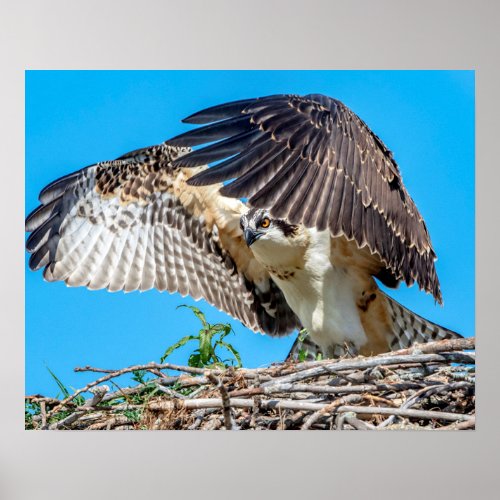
(134, 224)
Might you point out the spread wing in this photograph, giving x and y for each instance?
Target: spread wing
(311, 160)
(134, 224)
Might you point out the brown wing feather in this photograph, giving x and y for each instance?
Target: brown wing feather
(313, 161)
(134, 224)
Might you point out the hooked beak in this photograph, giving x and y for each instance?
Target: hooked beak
(251, 236)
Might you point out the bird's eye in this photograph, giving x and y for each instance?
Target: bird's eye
(265, 222)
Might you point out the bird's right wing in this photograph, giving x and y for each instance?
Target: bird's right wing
(135, 224)
(311, 160)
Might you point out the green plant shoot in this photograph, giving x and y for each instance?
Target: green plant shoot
(210, 339)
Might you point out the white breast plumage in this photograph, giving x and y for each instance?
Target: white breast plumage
(322, 295)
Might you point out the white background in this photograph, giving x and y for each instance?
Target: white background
(272, 34)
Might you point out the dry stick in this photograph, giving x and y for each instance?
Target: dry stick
(90, 404)
(247, 372)
(331, 407)
(364, 363)
(350, 418)
(459, 426)
(98, 396)
(66, 421)
(199, 416)
(434, 347)
(423, 393)
(149, 367)
(37, 398)
(43, 412)
(428, 348)
(303, 405)
(226, 403)
(170, 392)
(429, 415)
(196, 392)
(256, 404)
(112, 422)
(127, 391)
(295, 419)
(190, 381)
(372, 398)
(441, 346)
(117, 373)
(325, 389)
(251, 391)
(340, 419)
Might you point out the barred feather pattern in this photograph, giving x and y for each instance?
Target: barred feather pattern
(311, 160)
(128, 225)
(406, 329)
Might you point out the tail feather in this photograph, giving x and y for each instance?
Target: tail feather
(407, 329)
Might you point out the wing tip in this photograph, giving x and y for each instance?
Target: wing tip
(195, 119)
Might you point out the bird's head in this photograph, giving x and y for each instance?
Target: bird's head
(257, 224)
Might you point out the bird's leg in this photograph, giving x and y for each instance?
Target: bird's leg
(348, 349)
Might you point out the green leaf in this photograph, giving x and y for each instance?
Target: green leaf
(197, 313)
(138, 376)
(177, 345)
(209, 338)
(62, 387)
(232, 350)
(206, 349)
(195, 361)
(302, 335)
(218, 364)
(224, 329)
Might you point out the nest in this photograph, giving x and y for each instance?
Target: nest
(428, 386)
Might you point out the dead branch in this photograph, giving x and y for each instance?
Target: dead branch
(226, 402)
(429, 386)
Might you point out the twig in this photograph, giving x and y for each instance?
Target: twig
(127, 391)
(43, 413)
(330, 408)
(458, 426)
(226, 403)
(256, 403)
(428, 348)
(412, 385)
(98, 394)
(303, 405)
(440, 346)
(423, 393)
(323, 389)
(117, 373)
(147, 367)
(363, 363)
(171, 392)
(350, 418)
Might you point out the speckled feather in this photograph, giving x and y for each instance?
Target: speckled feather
(134, 224)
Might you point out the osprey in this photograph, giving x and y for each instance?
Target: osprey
(327, 214)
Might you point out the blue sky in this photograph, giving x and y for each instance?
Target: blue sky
(76, 118)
